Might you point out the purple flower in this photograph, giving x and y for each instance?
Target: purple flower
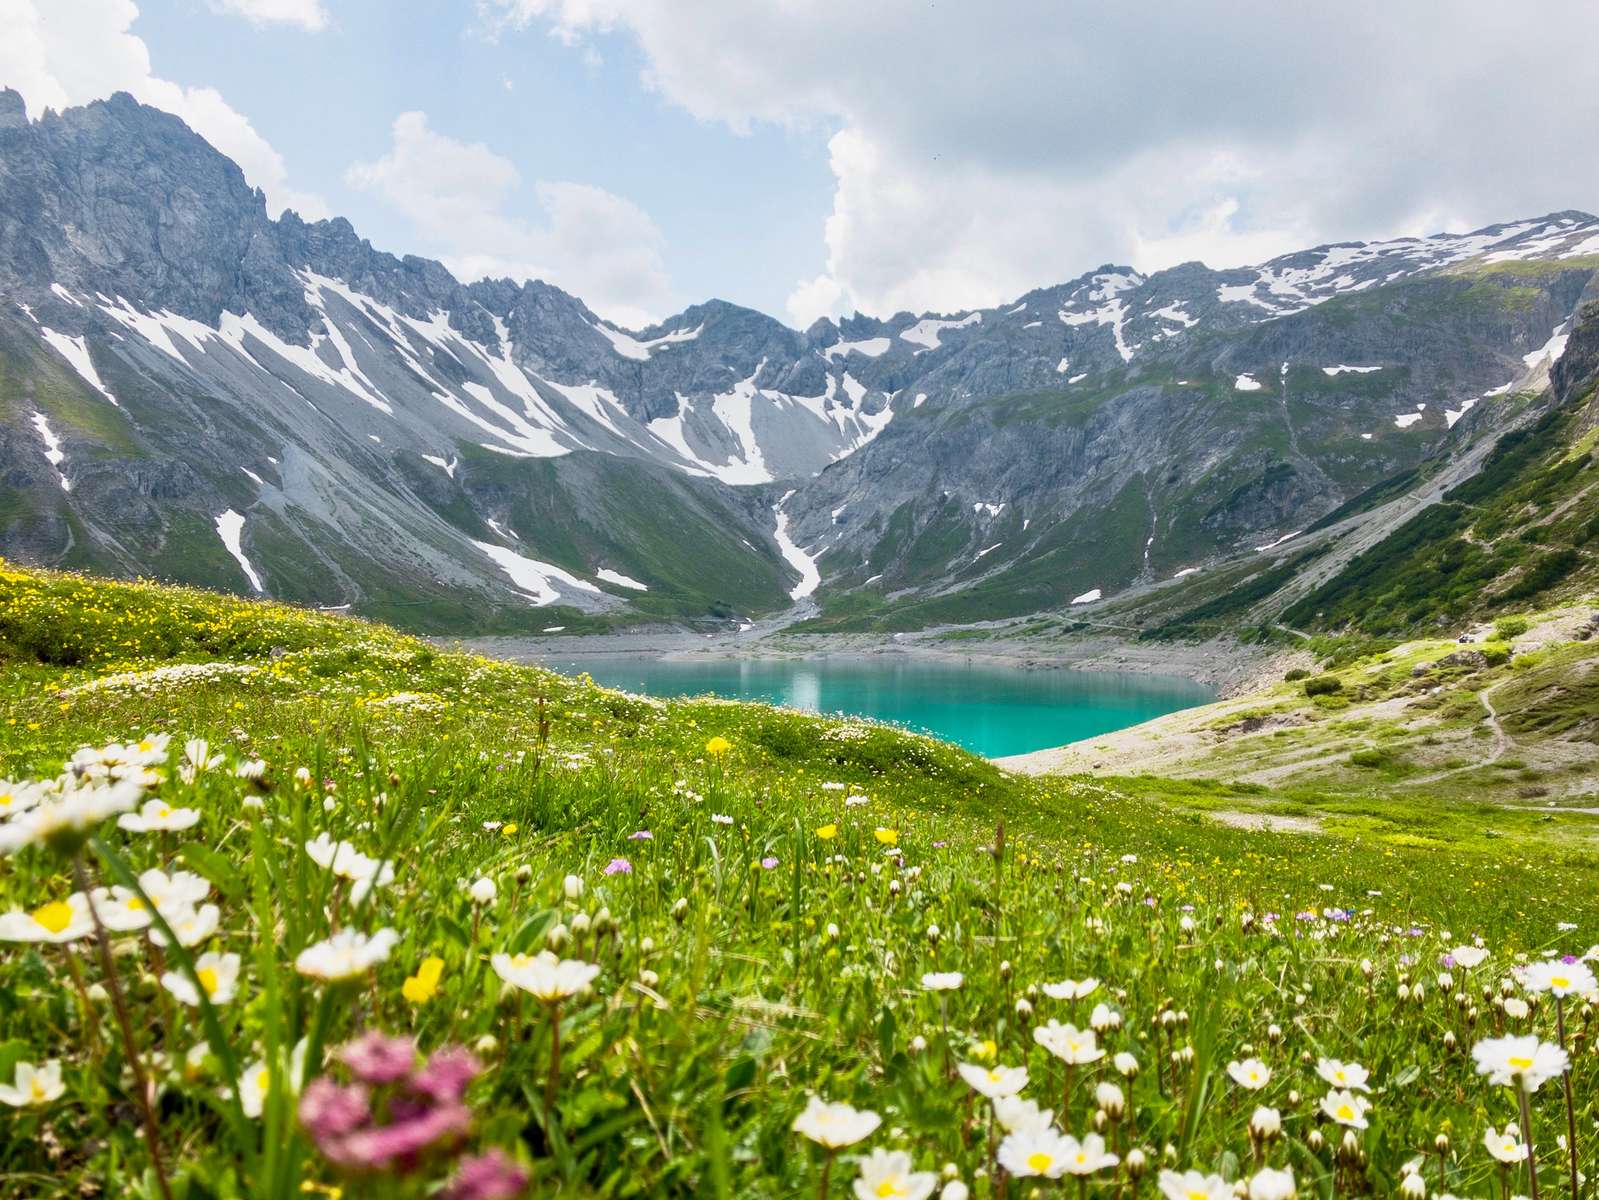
(618, 866)
(641, 835)
(490, 1176)
(376, 1058)
(328, 1110)
(1447, 960)
(939, 845)
(413, 1129)
(1568, 959)
(443, 1078)
(768, 862)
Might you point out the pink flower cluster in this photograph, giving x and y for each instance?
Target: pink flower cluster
(397, 1112)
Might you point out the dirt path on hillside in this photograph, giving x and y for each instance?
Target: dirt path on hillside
(1502, 740)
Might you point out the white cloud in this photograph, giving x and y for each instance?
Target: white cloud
(309, 15)
(979, 150)
(59, 53)
(597, 245)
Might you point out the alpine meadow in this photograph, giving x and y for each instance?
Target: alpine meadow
(1155, 745)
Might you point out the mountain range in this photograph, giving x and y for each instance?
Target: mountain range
(192, 390)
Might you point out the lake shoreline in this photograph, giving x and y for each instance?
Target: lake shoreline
(1230, 668)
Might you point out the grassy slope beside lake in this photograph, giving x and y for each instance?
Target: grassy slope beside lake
(767, 940)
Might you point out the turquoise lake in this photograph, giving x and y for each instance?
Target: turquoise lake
(990, 710)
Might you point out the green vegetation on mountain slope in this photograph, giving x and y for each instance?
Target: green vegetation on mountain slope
(764, 901)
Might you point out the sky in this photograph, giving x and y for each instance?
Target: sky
(821, 157)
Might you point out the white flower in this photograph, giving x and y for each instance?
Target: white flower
(157, 816)
(942, 981)
(994, 1081)
(1467, 957)
(1349, 1075)
(835, 1125)
(1039, 1152)
(1251, 1073)
(65, 818)
(120, 909)
(58, 922)
(1016, 1114)
(1519, 1061)
(1104, 1018)
(1271, 1184)
(345, 861)
(572, 885)
(192, 925)
(483, 890)
(1266, 1122)
(1505, 1145)
(1516, 1008)
(888, 1174)
(545, 976)
(18, 797)
(197, 757)
(255, 1081)
(1125, 1063)
(955, 1190)
(721, 819)
(1068, 1043)
(346, 954)
(1071, 989)
(1191, 1185)
(33, 1085)
(1559, 978)
(1110, 1097)
(218, 975)
(1413, 1186)
(1052, 1155)
(1346, 1108)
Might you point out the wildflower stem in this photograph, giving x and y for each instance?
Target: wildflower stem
(827, 1175)
(555, 1065)
(1571, 1106)
(90, 1026)
(152, 1130)
(1526, 1137)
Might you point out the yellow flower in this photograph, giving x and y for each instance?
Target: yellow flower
(889, 837)
(718, 745)
(508, 829)
(421, 987)
(827, 832)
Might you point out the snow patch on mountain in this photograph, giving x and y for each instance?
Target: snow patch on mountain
(538, 579)
(230, 528)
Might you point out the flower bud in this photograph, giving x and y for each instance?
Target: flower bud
(572, 885)
(1137, 1163)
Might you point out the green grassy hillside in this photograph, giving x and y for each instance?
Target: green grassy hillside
(767, 902)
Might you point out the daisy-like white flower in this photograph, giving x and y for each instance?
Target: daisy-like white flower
(995, 1081)
(255, 1081)
(120, 909)
(1071, 989)
(345, 861)
(1192, 1185)
(64, 819)
(57, 922)
(192, 925)
(31, 1086)
(1560, 978)
(891, 1175)
(218, 975)
(721, 819)
(1017, 1114)
(157, 816)
(1505, 1145)
(942, 981)
(1523, 1062)
(1349, 1075)
(197, 757)
(544, 976)
(1068, 1043)
(1272, 1184)
(1467, 957)
(1250, 1073)
(346, 954)
(1042, 1153)
(835, 1125)
(1088, 1156)
(1346, 1108)
(18, 797)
